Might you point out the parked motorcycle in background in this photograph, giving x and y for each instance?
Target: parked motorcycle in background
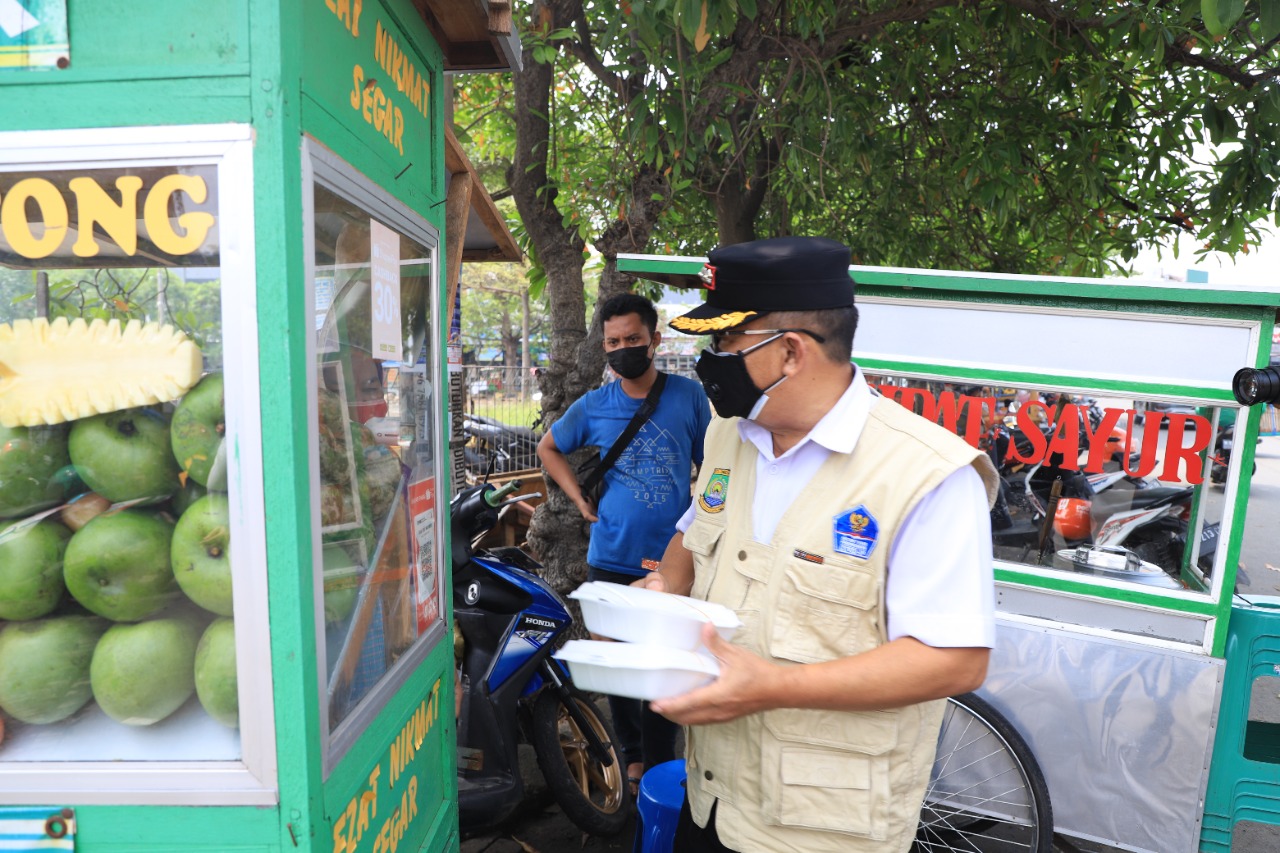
(1050, 512)
(493, 445)
(508, 622)
(1222, 446)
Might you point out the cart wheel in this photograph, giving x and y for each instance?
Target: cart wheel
(592, 795)
(985, 785)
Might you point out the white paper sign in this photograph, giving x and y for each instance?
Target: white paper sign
(384, 268)
(324, 298)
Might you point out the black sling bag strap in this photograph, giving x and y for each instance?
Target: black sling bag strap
(595, 468)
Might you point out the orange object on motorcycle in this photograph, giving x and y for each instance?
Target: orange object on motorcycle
(1116, 441)
(1071, 518)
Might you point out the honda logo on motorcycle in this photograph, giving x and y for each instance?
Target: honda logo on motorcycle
(537, 622)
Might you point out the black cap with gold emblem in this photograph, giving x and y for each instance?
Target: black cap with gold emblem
(748, 280)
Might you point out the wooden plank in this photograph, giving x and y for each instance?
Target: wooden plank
(457, 203)
(482, 207)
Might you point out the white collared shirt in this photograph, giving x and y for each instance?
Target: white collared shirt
(941, 585)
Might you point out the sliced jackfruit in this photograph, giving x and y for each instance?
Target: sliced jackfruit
(62, 371)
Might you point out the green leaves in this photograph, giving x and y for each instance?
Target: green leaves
(1220, 123)
(970, 136)
(1268, 106)
(1221, 15)
(1269, 19)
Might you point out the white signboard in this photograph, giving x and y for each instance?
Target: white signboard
(384, 266)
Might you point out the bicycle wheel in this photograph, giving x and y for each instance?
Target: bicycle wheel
(986, 793)
(592, 795)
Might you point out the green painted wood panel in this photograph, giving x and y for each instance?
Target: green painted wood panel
(135, 829)
(396, 786)
(371, 84)
(275, 55)
(115, 105)
(165, 37)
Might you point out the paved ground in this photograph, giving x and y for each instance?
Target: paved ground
(540, 827)
(547, 831)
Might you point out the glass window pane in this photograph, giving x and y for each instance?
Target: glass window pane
(1259, 568)
(375, 419)
(116, 642)
(1107, 487)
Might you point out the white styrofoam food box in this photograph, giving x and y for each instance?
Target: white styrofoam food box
(637, 671)
(637, 615)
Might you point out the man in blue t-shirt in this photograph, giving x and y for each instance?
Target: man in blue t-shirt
(646, 490)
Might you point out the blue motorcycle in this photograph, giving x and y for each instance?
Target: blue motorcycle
(508, 622)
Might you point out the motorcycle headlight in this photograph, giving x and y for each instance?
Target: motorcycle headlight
(1253, 385)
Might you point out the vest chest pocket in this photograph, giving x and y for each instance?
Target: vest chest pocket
(703, 541)
(824, 611)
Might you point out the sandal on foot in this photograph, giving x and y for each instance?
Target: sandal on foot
(633, 781)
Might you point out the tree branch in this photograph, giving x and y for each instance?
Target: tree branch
(1176, 54)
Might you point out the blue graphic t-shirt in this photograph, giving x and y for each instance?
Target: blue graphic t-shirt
(647, 489)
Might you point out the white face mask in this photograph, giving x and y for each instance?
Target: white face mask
(764, 398)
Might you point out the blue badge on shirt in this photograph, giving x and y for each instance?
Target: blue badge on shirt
(856, 532)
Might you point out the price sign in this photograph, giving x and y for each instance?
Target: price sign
(422, 508)
(384, 270)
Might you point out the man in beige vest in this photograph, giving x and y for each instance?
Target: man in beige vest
(852, 538)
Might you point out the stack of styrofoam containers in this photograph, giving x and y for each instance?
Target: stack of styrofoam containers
(660, 653)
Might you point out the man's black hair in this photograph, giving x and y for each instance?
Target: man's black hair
(837, 325)
(630, 303)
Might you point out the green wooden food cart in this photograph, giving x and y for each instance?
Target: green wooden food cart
(225, 231)
(1139, 683)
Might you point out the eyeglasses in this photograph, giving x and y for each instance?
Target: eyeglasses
(718, 337)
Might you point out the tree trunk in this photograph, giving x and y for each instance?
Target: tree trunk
(557, 533)
(510, 340)
(739, 194)
(525, 363)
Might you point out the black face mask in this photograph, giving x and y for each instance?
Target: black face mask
(630, 362)
(728, 385)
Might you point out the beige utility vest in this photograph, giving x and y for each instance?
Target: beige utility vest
(802, 780)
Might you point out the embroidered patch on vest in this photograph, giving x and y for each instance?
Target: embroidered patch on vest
(712, 497)
(856, 532)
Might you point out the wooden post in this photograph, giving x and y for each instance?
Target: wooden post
(457, 206)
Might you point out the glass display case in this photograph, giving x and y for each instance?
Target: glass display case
(377, 428)
(130, 582)
(222, 234)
